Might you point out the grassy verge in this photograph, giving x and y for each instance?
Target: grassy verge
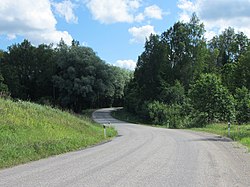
(239, 133)
(30, 131)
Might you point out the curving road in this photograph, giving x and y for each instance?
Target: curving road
(140, 156)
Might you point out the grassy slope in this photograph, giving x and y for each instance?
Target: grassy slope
(30, 131)
(238, 133)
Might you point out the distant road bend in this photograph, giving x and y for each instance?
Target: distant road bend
(140, 156)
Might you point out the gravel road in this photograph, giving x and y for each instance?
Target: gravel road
(140, 156)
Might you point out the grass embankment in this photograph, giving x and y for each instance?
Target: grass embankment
(30, 131)
(239, 133)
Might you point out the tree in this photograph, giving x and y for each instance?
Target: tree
(74, 78)
(172, 94)
(119, 78)
(3, 86)
(147, 73)
(18, 69)
(168, 63)
(186, 49)
(209, 96)
(228, 75)
(242, 72)
(83, 80)
(28, 70)
(43, 72)
(231, 46)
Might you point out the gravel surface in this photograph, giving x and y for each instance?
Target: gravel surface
(140, 156)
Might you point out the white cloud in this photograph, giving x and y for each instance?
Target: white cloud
(31, 19)
(153, 12)
(140, 17)
(127, 64)
(11, 36)
(50, 37)
(66, 9)
(113, 11)
(139, 34)
(150, 12)
(187, 8)
(185, 5)
(217, 15)
(110, 11)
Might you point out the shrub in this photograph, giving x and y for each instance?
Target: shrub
(242, 97)
(210, 97)
(166, 115)
(157, 112)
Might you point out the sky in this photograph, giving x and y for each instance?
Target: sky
(115, 29)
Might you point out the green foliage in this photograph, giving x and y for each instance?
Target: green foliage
(3, 87)
(83, 80)
(170, 116)
(132, 97)
(181, 77)
(242, 97)
(172, 94)
(157, 112)
(231, 46)
(186, 45)
(209, 96)
(28, 70)
(242, 75)
(228, 76)
(29, 132)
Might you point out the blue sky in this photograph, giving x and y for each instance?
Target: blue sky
(115, 29)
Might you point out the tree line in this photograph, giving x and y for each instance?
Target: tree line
(72, 77)
(183, 80)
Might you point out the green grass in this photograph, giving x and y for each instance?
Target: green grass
(239, 133)
(30, 131)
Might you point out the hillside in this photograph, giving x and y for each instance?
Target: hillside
(30, 131)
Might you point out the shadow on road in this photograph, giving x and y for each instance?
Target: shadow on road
(213, 139)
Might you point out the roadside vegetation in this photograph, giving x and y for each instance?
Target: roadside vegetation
(183, 80)
(30, 131)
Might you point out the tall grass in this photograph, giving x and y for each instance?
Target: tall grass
(30, 131)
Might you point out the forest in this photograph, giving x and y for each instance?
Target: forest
(69, 77)
(182, 80)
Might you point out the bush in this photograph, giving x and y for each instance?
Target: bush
(242, 97)
(157, 112)
(210, 97)
(166, 115)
